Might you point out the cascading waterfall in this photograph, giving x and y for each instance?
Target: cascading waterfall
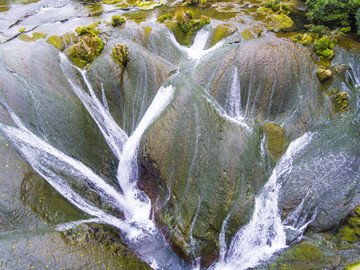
(67, 174)
(234, 95)
(265, 232)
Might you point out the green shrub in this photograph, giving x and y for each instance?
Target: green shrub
(334, 13)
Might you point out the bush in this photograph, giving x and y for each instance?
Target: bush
(334, 13)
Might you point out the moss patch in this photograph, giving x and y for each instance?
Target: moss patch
(89, 46)
(35, 37)
(252, 32)
(117, 20)
(222, 31)
(281, 22)
(120, 54)
(323, 74)
(57, 42)
(276, 140)
(305, 39)
(324, 46)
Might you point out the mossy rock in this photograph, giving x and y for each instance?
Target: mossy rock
(305, 39)
(119, 54)
(35, 37)
(148, 5)
(57, 41)
(282, 22)
(276, 140)
(164, 17)
(341, 100)
(84, 52)
(117, 20)
(252, 32)
(222, 31)
(323, 74)
(324, 46)
(185, 27)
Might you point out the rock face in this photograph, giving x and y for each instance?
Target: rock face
(187, 151)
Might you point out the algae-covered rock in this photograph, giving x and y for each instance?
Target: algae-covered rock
(119, 54)
(186, 27)
(186, 155)
(305, 39)
(35, 37)
(282, 22)
(84, 52)
(252, 32)
(117, 20)
(276, 140)
(324, 46)
(220, 32)
(57, 42)
(306, 256)
(323, 74)
(341, 100)
(89, 46)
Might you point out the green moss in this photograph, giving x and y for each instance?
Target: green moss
(282, 22)
(84, 52)
(347, 234)
(109, 2)
(353, 266)
(305, 39)
(342, 100)
(117, 20)
(164, 17)
(300, 256)
(35, 36)
(354, 222)
(74, 37)
(222, 31)
(357, 210)
(147, 5)
(57, 42)
(90, 29)
(67, 38)
(324, 46)
(276, 140)
(22, 30)
(120, 54)
(247, 35)
(252, 32)
(323, 74)
(186, 27)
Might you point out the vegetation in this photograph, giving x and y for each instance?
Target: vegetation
(334, 13)
(117, 20)
(119, 54)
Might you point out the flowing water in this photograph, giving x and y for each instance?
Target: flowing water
(130, 209)
(265, 233)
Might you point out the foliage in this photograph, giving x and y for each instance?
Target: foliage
(334, 13)
(324, 46)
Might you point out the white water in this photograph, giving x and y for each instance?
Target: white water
(265, 233)
(234, 96)
(197, 49)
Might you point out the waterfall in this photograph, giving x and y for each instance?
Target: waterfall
(234, 96)
(69, 176)
(265, 233)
